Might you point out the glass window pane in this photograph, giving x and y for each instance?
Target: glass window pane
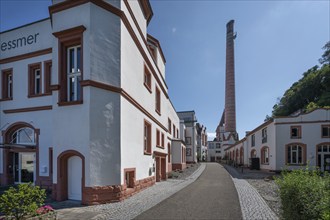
(325, 148)
(78, 59)
(294, 157)
(71, 60)
(289, 154)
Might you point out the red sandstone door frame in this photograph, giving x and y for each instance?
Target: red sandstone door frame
(160, 160)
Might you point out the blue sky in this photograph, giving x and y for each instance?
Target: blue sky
(277, 41)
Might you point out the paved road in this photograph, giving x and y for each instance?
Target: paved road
(212, 196)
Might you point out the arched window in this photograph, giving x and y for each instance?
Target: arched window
(24, 136)
(295, 153)
(264, 155)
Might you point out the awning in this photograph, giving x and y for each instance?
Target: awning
(22, 146)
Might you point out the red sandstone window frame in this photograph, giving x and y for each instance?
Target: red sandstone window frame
(289, 149)
(295, 134)
(47, 76)
(7, 93)
(147, 78)
(327, 129)
(33, 91)
(264, 152)
(147, 138)
(158, 100)
(158, 138)
(169, 126)
(72, 37)
(130, 174)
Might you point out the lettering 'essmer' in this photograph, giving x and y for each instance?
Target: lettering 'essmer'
(19, 42)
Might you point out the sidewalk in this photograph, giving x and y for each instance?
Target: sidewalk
(133, 206)
(253, 206)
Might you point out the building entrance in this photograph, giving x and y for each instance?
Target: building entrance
(24, 167)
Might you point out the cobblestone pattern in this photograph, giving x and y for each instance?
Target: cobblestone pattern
(253, 206)
(142, 201)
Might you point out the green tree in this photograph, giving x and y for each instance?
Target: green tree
(312, 90)
(326, 55)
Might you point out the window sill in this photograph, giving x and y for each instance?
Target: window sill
(148, 87)
(147, 153)
(70, 103)
(38, 95)
(325, 136)
(160, 146)
(295, 137)
(6, 99)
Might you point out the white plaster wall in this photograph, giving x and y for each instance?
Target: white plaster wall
(71, 128)
(104, 145)
(43, 39)
(311, 135)
(132, 141)
(104, 40)
(176, 152)
(138, 14)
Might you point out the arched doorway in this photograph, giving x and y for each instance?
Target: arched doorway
(70, 176)
(20, 154)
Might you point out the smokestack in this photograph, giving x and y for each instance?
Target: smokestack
(230, 105)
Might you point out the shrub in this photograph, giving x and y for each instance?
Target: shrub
(304, 194)
(21, 201)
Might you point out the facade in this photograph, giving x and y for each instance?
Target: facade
(189, 119)
(287, 142)
(178, 155)
(84, 107)
(214, 152)
(201, 142)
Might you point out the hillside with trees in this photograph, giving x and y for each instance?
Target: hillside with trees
(310, 92)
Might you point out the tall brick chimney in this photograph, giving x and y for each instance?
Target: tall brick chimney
(230, 105)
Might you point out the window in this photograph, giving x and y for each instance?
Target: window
(48, 73)
(174, 129)
(163, 140)
(177, 133)
(217, 145)
(295, 132)
(70, 65)
(264, 155)
(147, 138)
(157, 100)
(153, 51)
(24, 136)
(218, 151)
(147, 78)
(169, 153)
(34, 82)
(7, 84)
(169, 126)
(253, 140)
(264, 135)
(325, 131)
(73, 73)
(158, 138)
(129, 177)
(295, 154)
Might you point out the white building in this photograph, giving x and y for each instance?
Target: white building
(287, 142)
(201, 142)
(214, 151)
(189, 119)
(84, 107)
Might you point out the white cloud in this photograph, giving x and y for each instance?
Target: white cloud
(211, 136)
(173, 29)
